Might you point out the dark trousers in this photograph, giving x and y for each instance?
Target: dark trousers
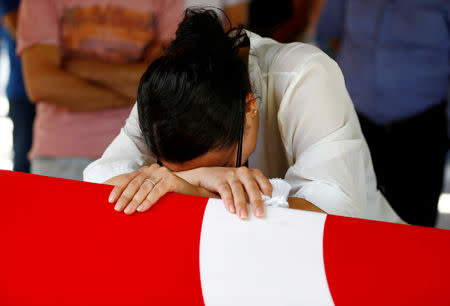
(409, 160)
(21, 112)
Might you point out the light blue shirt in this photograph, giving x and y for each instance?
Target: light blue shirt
(394, 53)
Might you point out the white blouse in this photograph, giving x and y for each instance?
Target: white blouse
(309, 133)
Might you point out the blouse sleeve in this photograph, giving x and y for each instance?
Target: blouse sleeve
(127, 153)
(329, 158)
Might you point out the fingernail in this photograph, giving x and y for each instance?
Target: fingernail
(231, 209)
(243, 214)
(259, 212)
(112, 198)
(127, 210)
(140, 208)
(118, 206)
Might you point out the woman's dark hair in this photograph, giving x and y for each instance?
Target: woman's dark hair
(191, 100)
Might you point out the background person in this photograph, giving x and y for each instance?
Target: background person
(236, 10)
(198, 100)
(395, 59)
(21, 110)
(285, 20)
(82, 61)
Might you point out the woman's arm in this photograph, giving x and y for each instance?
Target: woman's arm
(302, 204)
(127, 153)
(330, 163)
(136, 192)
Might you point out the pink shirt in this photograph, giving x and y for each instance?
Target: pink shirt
(111, 30)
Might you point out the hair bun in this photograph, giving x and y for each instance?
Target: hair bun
(201, 33)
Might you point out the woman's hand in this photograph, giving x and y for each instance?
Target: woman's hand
(139, 190)
(233, 185)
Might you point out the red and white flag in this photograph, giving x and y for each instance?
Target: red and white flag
(61, 243)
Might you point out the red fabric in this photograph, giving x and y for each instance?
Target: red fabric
(377, 263)
(61, 243)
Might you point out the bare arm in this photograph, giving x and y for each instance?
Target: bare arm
(121, 78)
(237, 13)
(289, 30)
(46, 81)
(9, 21)
(302, 204)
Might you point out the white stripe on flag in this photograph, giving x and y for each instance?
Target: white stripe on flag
(277, 260)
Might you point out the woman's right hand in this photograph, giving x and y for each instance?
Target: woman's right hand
(234, 185)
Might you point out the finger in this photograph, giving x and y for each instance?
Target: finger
(129, 192)
(226, 195)
(146, 205)
(163, 178)
(157, 192)
(115, 194)
(119, 185)
(254, 195)
(122, 181)
(263, 182)
(240, 201)
(139, 197)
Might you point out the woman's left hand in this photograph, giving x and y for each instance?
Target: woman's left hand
(139, 190)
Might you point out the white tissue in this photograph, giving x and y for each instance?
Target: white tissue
(280, 194)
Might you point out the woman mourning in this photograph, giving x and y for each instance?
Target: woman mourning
(221, 111)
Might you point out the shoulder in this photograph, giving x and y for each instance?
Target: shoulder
(274, 57)
(300, 60)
